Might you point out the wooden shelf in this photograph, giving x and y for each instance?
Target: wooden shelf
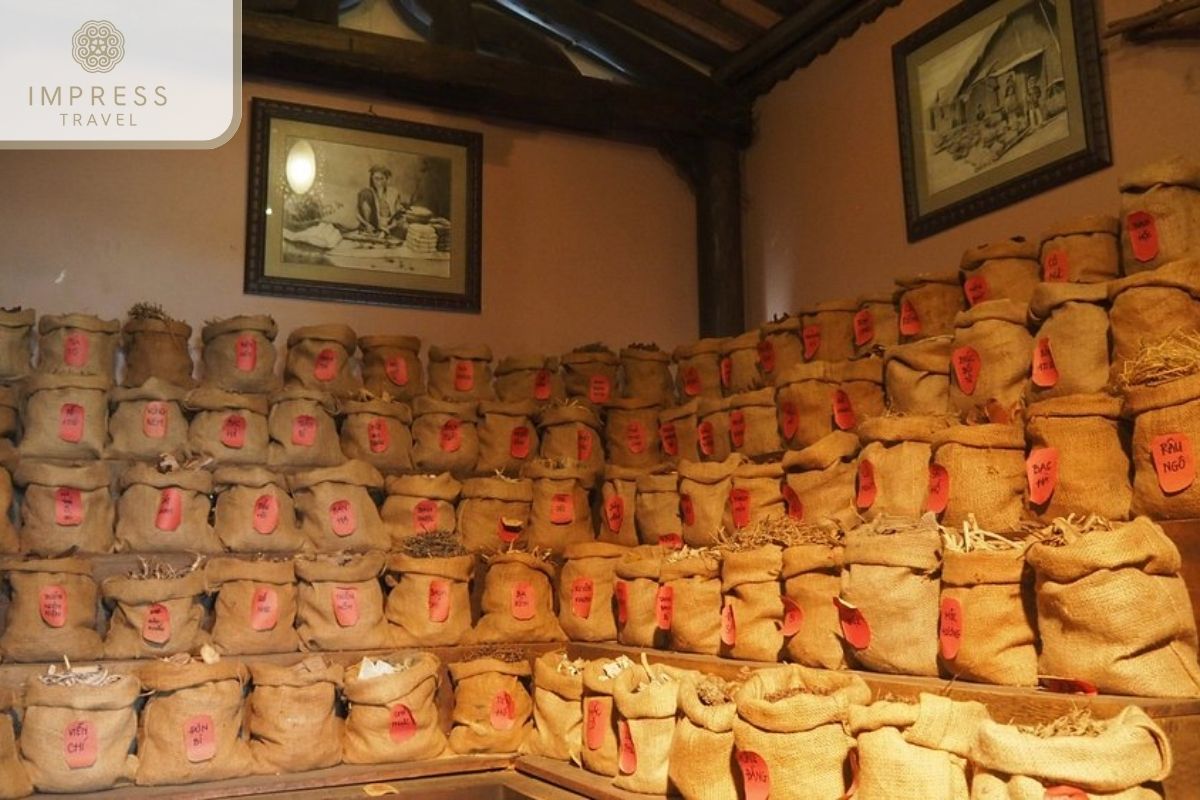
(573, 778)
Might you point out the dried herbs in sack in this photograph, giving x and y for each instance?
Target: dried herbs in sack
(917, 376)
(508, 439)
(752, 618)
(812, 578)
(523, 378)
(16, 340)
(239, 353)
(336, 509)
(712, 428)
(991, 358)
(291, 716)
(156, 346)
(320, 358)
(156, 612)
(646, 704)
(1070, 347)
(492, 708)
(393, 712)
(698, 369)
(981, 476)
(51, 611)
(678, 434)
(1160, 214)
(646, 372)
(65, 507)
(420, 504)
(691, 584)
(255, 607)
(429, 603)
(557, 709)
(657, 511)
(518, 601)
(1082, 250)
(1004, 270)
(631, 432)
(827, 330)
(391, 365)
(819, 481)
(14, 781)
(739, 364)
(64, 416)
(702, 758)
(303, 429)
(461, 374)
(1166, 430)
(445, 436)
(616, 515)
(893, 466)
(340, 602)
(753, 426)
(255, 513)
(890, 767)
(780, 347)
(704, 491)
(600, 745)
(927, 305)
(165, 511)
(1150, 306)
(561, 512)
(643, 609)
(228, 428)
(493, 513)
(585, 591)
(756, 495)
(571, 432)
(146, 421)
(377, 432)
(876, 324)
(78, 344)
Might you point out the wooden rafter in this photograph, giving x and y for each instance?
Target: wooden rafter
(659, 29)
(687, 22)
(712, 12)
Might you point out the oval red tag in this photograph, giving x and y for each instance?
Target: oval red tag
(562, 508)
(707, 438)
(671, 541)
(1069, 792)
(1055, 268)
(264, 609)
(621, 592)
(464, 375)
(793, 617)
(737, 428)
(76, 348)
(325, 367)
(81, 744)
(541, 385)
(864, 327)
(233, 431)
(1174, 462)
(504, 711)
(304, 430)
(266, 514)
(402, 726)
(597, 716)
(664, 607)
(70, 422)
(950, 628)
(670, 442)
(518, 442)
(450, 436)
(795, 507)
(635, 437)
(614, 512)
(728, 626)
(345, 605)
(739, 507)
(691, 381)
(582, 591)
(583, 443)
(1143, 235)
(169, 514)
(199, 738)
(154, 420)
(627, 759)
(766, 355)
(52, 605)
(1041, 471)
(522, 601)
(910, 320)
(379, 436)
(438, 602)
(864, 497)
(245, 357)
(726, 371)
(156, 627)
(342, 518)
(397, 370)
(790, 419)
(939, 489)
(976, 290)
(854, 625)
(599, 388)
(967, 365)
(687, 510)
(756, 776)
(812, 341)
(1045, 372)
(843, 411)
(68, 507)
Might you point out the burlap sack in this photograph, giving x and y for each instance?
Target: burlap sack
(572, 432)
(80, 739)
(340, 602)
(917, 376)
(631, 432)
(645, 727)
(803, 398)
(391, 365)
(704, 498)
(739, 365)
(861, 381)
(1092, 468)
(9, 544)
(508, 439)
(987, 627)
(591, 374)
(146, 421)
(536, 378)
(64, 416)
(1160, 214)
(518, 601)
(336, 510)
(691, 599)
(1070, 348)
(291, 716)
(890, 583)
(893, 466)
(557, 708)
(985, 473)
(560, 513)
(657, 507)
(893, 768)
(812, 578)
(420, 504)
(616, 518)
(191, 727)
(445, 436)
(493, 513)
(1082, 250)
(14, 780)
(1004, 270)
(1114, 611)
(165, 511)
(677, 433)
(378, 433)
(827, 330)
(752, 623)
(51, 611)
(991, 358)
(819, 481)
(303, 430)
(698, 369)
(239, 353)
(646, 372)
(16, 339)
(712, 428)
(228, 428)
(492, 708)
(320, 358)
(429, 604)
(394, 717)
(10, 412)
(255, 606)
(255, 513)
(154, 617)
(599, 753)
(78, 344)
(756, 495)
(1166, 428)
(1149, 306)
(927, 305)
(702, 759)
(876, 324)
(753, 424)
(585, 591)
(461, 374)
(792, 719)
(157, 347)
(780, 347)
(637, 592)
(64, 507)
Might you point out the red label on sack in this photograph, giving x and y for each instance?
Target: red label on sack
(976, 290)
(1143, 235)
(1045, 372)
(766, 355)
(854, 625)
(664, 607)
(70, 422)
(245, 353)
(737, 428)
(583, 443)
(687, 510)
(614, 512)
(950, 628)
(402, 726)
(266, 514)
(910, 320)
(508, 530)
(233, 431)
(68, 507)
(304, 430)
(379, 437)
(1055, 267)
(669, 439)
(864, 327)
(1069, 792)
(707, 438)
(1067, 685)
(345, 605)
(396, 368)
(596, 721)
(156, 628)
(81, 744)
(939, 489)
(635, 437)
(76, 347)
(599, 388)
(52, 605)
(264, 609)
(562, 508)
(1041, 471)
(504, 711)
(342, 518)
(812, 341)
(438, 602)
(791, 419)
(739, 507)
(865, 496)
(726, 366)
(671, 541)
(450, 436)
(621, 592)
(541, 385)
(582, 591)
(843, 411)
(521, 602)
(154, 420)
(728, 626)
(627, 759)
(424, 516)
(325, 368)
(967, 365)
(756, 777)
(793, 617)
(169, 514)
(199, 738)
(518, 442)
(464, 375)
(691, 382)
(1173, 461)
(795, 507)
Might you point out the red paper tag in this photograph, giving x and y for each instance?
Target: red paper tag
(865, 496)
(671, 541)
(795, 506)
(156, 628)
(707, 438)
(438, 602)
(691, 382)
(424, 516)
(379, 437)
(345, 605)
(976, 289)
(614, 512)
(402, 726)
(1041, 471)
(504, 711)
(939, 489)
(583, 443)
(726, 366)
(950, 628)
(266, 513)
(1067, 685)
(910, 320)
(864, 327)
(169, 514)
(635, 437)
(793, 617)
(199, 738)
(687, 510)
(76, 347)
(739, 507)
(464, 375)
(518, 442)
(599, 388)
(562, 508)
(766, 355)
(664, 607)
(1069, 792)
(509, 530)
(854, 625)
(1045, 372)
(52, 605)
(325, 368)
(597, 714)
(233, 431)
(70, 422)
(264, 609)
(1143, 235)
(397, 370)
(68, 507)
(582, 591)
(154, 420)
(245, 353)
(791, 419)
(342, 518)
(541, 385)
(627, 759)
(967, 365)
(728, 626)
(304, 430)
(737, 428)
(621, 592)
(522, 601)
(1055, 267)
(756, 777)
(812, 341)
(1173, 461)
(450, 437)
(81, 744)
(843, 411)
(669, 439)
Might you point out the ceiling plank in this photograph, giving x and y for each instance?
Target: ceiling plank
(779, 39)
(658, 28)
(754, 11)
(503, 36)
(720, 17)
(782, 7)
(714, 34)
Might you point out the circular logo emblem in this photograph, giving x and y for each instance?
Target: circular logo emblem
(98, 46)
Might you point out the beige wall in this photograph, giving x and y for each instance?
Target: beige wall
(825, 214)
(583, 239)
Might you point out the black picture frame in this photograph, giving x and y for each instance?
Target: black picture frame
(964, 148)
(390, 212)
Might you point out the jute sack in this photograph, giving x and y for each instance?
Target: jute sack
(1124, 761)
(9, 544)
(78, 344)
(445, 436)
(560, 513)
(340, 602)
(1004, 270)
(1114, 611)
(255, 513)
(637, 592)
(712, 428)
(157, 347)
(811, 579)
(1070, 348)
(461, 374)
(677, 433)
(228, 428)
(756, 495)
(827, 330)
(320, 358)
(51, 612)
(692, 584)
(518, 601)
(876, 324)
(803, 398)
(893, 467)
(14, 780)
(65, 507)
(508, 439)
(616, 516)
(492, 708)
(698, 369)
(303, 430)
(1082, 250)
(154, 617)
(191, 727)
(991, 357)
(753, 625)
(239, 353)
(1149, 306)
(893, 768)
(631, 432)
(80, 738)
(890, 583)
(591, 374)
(255, 606)
(753, 424)
(557, 708)
(377, 432)
(819, 481)
(585, 591)
(336, 510)
(291, 716)
(419, 504)
(927, 305)
(1087, 436)
(917, 376)
(1165, 427)
(16, 339)
(861, 383)
(599, 753)
(572, 432)
(64, 416)
(646, 372)
(429, 604)
(985, 474)
(536, 378)
(494, 513)
(702, 761)
(394, 717)
(704, 498)
(739, 364)
(1160, 213)
(10, 411)
(146, 421)
(391, 365)
(165, 511)
(792, 719)
(646, 724)
(780, 347)
(987, 627)
(657, 507)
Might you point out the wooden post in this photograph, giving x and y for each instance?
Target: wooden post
(718, 188)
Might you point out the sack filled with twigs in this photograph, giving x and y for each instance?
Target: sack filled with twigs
(254, 512)
(712, 428)
(917, 376)
(156, 346)
(377, 432)
(64, 416)
(336, 510)
(571, 431)
(827, 330)
(690, 600)
(739, 367)
(1160, 214)
(600, 720)
(643, 612)
(445, 436)
(585, 591)
(646, 703)
(239, 353)
(990, 360)
(1165, 432)
(303, 429)
(146, 421)
(698, 369)
(51, 611)
(560, 514)
(518, 600)
(819, 481)
(492, 707)
(429, 603)
(657, 508)
(493, 513)
(320, 358)
(393, 712)
(420, 504)
(616, 519)
(982, 475)
(704, 497)
(702, 755)
(812, 577)
(591, 372)
(631, 432)
(678, 434)
(753, 424)
(780, 347)
(254, 611)
(392, 365)
(156, 611)
(165, 511)
(1003, 270)
(557, 709)
(291, 716)
(78, 344)
(228, 428)
(756, 494)
(1070, 347)
(646, 372)
(1081, 250)
(927, 305)
(524, 378)
(340, 602)
(460, 374)
(1147, 307)
(507, 437)
(876, 324)
(64, 507)
(893, 466)
(752, 617)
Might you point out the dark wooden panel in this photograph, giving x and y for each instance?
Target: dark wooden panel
(661, 30)
(702, 28)
(714, 13)
(719, 239)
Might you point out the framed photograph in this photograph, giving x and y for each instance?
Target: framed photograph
(997, 101)
(363, 209)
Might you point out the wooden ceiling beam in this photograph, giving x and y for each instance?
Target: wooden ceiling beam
(653, 26)
(717, 15)
(779, 39)
(685, 21)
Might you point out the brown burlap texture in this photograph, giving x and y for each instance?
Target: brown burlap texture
(492, 708)
(657, 507)
(303, 430)
(78, 344)
(518, 601)
(1004, 270)
(165, 511)
(599, 753)
(995, 332)
(812, 577)
(1168, 192)
(336, 510)
(154, 617)
(377, 432)
(392, 365)
(1149, 306)
(255, 607)
(536, 378)
(893, 768)
(616, 518)
(756, 495)
(694, 586)
(429, 604)
(461, 374)
(928, 305)
(1072, 318)
(647, 373)
(291, 716)
(508, 439)
(753, 424)
(631, 432)
(701, 761)
(754, 601)
(876, 324)
(677, 432)
(228, 428)
(712, 428)
(739, 364)
(9, 544)
(646, 709)
(561, 513)
(420, 504)
(445, 436)
(394, 717)
(862, 381)
(14, 781)
(10, 411)
(64, 507)
(821, 479)
(585, 591)
(571, 432)
(637, 591)
(64, 416)
(239, 353)
(51, 611)
(1166, 423)
(985, 467)
(493, 513)
(320, 358)
(698, 369)
(898, 450)
(146, 421)
(917, 376)
(780, 347)
(255, 513)
(805, 399)
(16, 338)
(157, 348)
(704, 497)
(827, 330)
(340, 603)
(557, 708)
(1082, 250)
